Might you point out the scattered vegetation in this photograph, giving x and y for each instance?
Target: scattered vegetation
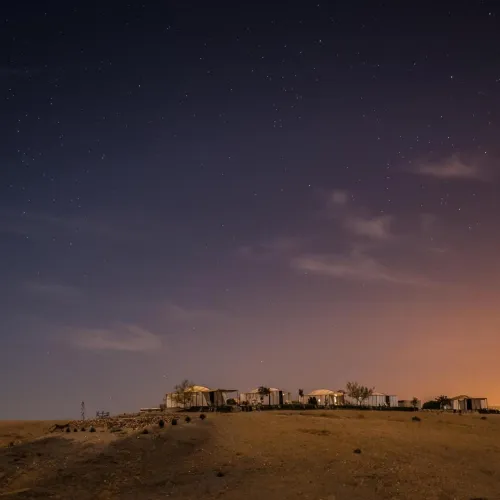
(75, 430)
(161, 423)
(203, 416)
(183, 393)
(301, 395)
(83, 429)
(358, 392)
(145, 431)
(68, 429)
(312, 401)
(489, 411)
(414, 403)
(174, 421)
(92, 429)
(431, 405)
(443, 401)
(264, 391)
(416, 419)
(357, 451)
(188, 419)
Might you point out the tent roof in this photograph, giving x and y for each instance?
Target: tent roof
(463, 396)
(202, 388)
(322, 392)
(198, 388)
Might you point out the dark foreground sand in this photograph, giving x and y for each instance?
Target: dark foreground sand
(265, 455)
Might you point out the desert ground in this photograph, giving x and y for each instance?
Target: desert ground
(329, 455)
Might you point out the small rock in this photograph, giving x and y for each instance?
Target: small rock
(219, 474)
(416, 419)
(357, 450)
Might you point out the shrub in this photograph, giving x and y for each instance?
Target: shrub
(203, 416)
(483, 418)
(491, 411)
(188, 419)
(431, 405)
(75, 430)
(231, 401)
(92, 429)
(161, 423)
(145, 431)
(357, 451)
(174, 421)
(83, 429)
(415, 419)
(68, 429)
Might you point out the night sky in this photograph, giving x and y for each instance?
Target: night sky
(244, 194)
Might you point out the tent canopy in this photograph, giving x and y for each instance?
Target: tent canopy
(201, 388)
(322, 392)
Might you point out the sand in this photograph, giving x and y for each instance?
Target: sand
(261, 455)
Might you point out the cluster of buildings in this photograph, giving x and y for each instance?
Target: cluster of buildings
(201, 396)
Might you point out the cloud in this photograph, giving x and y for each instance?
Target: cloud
(378, 227)
(53, 290)
(188, 316)
(120, 337)
(451, 168)
(339, 197)
(355, 220)
(272, 248)
(355, 266)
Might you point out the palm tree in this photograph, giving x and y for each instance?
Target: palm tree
(264, 391)
(301, 395)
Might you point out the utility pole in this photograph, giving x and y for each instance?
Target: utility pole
(82, 408)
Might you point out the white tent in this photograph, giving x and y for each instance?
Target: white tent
(276, 397)
(198, 395)
(326, 397)
(376, 399)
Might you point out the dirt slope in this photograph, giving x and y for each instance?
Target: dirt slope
(275, 455)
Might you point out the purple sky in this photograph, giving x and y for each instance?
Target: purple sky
(247, 195)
